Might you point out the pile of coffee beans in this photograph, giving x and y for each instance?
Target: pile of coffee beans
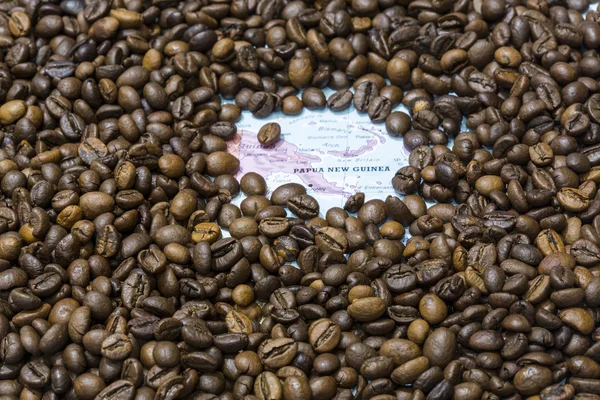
(127, 272)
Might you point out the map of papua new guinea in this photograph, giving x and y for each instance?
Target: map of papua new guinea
(334, 154)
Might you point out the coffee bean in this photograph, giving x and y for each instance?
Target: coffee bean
(238, 323)
(331, 239)
(366, 309)
(117, 390)
(283, 193)
(296, 387)
(12, 111)
(269, 134)
(340, 100)
(220, 163)
(313, 99)
(324, 335)
(379, 109)
(304, 206)
(300, 72)
(116, 347)
(19, 24)
(365, 93)
(35, 375)
(267, 386)
(206, 231)
(276, 353)
(261, 104)
(88, 385)
(292, 105)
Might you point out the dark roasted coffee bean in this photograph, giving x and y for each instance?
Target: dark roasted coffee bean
(364, 95)
(340, 100)
(261, 104)
(379, 109)
(304, 206)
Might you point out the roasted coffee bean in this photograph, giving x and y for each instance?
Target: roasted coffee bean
(324, 335)
(379, 109)
(267, 386)
(120, 389)
(276, 353)
(340, 100)
(364, 95)
(269, 134)
(304, 206)
(313, 99)
(261, 104)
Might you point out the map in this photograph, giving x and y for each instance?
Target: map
(334, 154)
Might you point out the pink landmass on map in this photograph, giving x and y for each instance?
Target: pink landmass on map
(354, 153)
(375, 133)
(382, 139)
(280, 157)
(233, 146)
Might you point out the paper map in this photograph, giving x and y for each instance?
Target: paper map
(334, 154)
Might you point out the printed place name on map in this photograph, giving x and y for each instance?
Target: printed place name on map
(326, 129)
(342, 169)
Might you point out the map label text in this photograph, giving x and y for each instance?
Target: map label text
(381, 168)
